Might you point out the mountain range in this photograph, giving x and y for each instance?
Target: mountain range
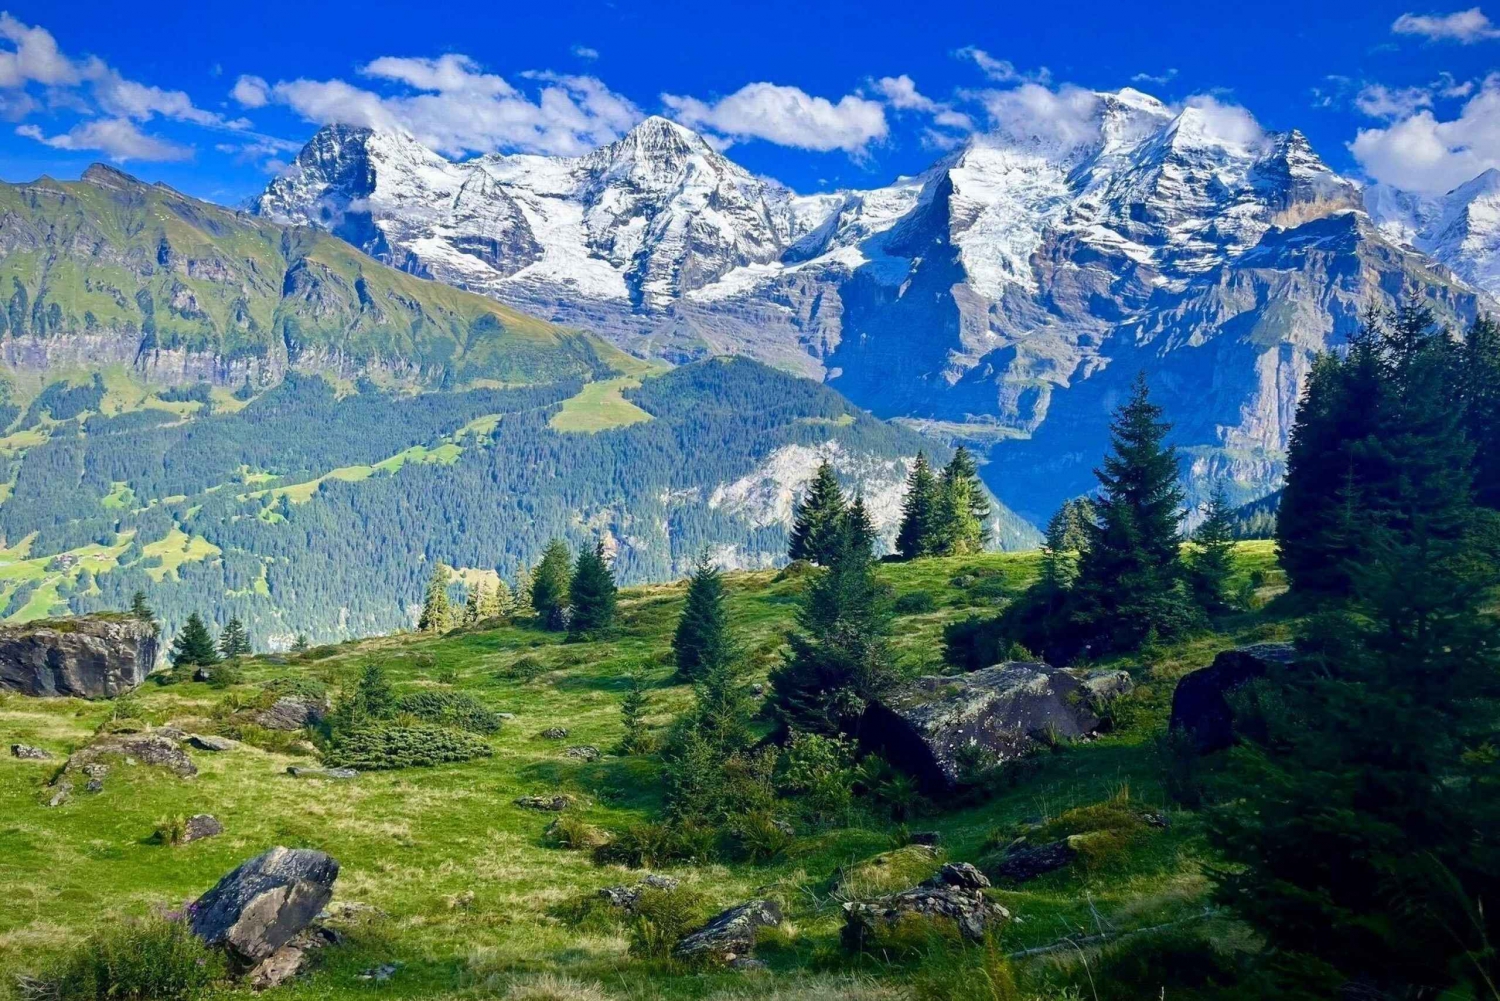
(1004, 297)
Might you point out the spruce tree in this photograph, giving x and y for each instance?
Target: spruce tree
(702, 638)
(962, 467)
(233, 641)
(591, 593)
(817, 519)
(957, 531)
(140, 608)
(858, 528)
(1212, 561)
(474, 603)
(704, 745)
(1481, 390)
(549, 585)
(633, 715)
(300, 644)
(194, 647)
(840, 657)
(437, 613)
(1129, 584)
(497, 602)
(918, 510)
(1059, 560)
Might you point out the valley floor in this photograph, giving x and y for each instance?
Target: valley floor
(469, 898)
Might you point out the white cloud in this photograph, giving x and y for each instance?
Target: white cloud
(450, 104)
(1425, 154)
(117, 138)
(1465, 26)
(786, 116)
(1379, 101)
(1157, 78)
(251, 92)
(35, 59)
(901, 93)
(1063, 118)
(1226, 123)
(1000, 70)
(584, 52)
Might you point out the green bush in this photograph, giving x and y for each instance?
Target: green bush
(761, 838)
(645, 845)
(225, 673)
(818, 773)
(915, 603)
(1170, 963)
(527, 668)
(454, 709)
(170, 831)
(154, 959)
(378, 747)
(661, 918)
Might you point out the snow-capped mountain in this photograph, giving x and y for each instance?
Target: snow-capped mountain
(1460, 229)
(1007, 295)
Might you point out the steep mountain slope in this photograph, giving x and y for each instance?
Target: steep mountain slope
(1005, 296)
(1460, 229)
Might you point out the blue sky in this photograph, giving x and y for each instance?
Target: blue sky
(211, 98)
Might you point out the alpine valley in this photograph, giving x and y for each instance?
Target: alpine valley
(392, 358)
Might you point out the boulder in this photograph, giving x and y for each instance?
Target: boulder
(208, 742)
(554, 733)
(553, 804)
(1103, 687)
(288, 713)
(91, 656)
(200, 826)
(1024, 862)
(1200, 705)
(60, 793)
(583, 752)
(729, 935)
(931, 726)
(29, 753)
(297, 771)
(264, 904)
(286, 962)
(147, 748)
(626, 897)
(955, 893)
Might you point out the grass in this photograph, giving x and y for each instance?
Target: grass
(473, 898)
(444, 454)
(175, 549)
(599, 406)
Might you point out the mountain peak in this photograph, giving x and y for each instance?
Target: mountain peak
(105, 176)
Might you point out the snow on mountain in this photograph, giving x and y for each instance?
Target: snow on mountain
(1007, 294)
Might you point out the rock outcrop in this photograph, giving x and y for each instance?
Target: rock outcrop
(200, 826)
(730, 935)
(955, 894)
(291, 714)
(1200, 704)
(91, 656)
(29, 753)
(941, 729)
(145, 748)
(263, 906)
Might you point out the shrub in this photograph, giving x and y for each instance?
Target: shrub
(915, 603)
(818, 772)
(661, 918)
(761, 838)
(526, 668)
(377, 747)
(155, 959)
(170, 831)
(225, 673)
(795, 570)
(454, 709)
(574, 832)
(1166, 963)
(646, 845)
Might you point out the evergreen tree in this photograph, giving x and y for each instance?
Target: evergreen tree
(437, 613)
(497, 602)
(1481, 390)
(918, 511)
(194, 647)
(962, 467)
(817, 520)
(474, 604)
(1059, 560)
(521, 596)
(1129, 584)
(633, 715)
(1212, 561)
(592, 592)
(300, 644)
(550, 583)
(705, 745)
(233, 641)
(956, 532)
(702, 637)
(140, 608)
(858, 528)
(372, 699)
(839, 658)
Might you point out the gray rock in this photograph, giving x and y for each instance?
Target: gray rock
(1026, 862)
(95, 770)
(554, 733)
(1105, 686)
(960, 874)
(1200, 703)
(94, 785)
(29, 753)
(997, 714)
(148, 748)
(91, 656)
(626, 897)
(729, 935)
(506, 716)
(746, 964)
(321, 773)
(60, 793)
(264, 904)
(584, 752)
(209, 742)
(289, 713)
(200, 826)
(380, 974)
(936, 900)
(659, 882)
(552, 804)
(929, 838)
(286, 962)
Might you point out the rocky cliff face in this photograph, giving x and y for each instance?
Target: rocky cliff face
(1005, 297)
(91, 657)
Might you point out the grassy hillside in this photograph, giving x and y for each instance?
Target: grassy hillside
(472, 899)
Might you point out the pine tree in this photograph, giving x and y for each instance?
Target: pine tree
(816, 521)
(300, 644)
(550, 583)
(858, 529)
(437, 613)
(194, 647)
(592, 593)
(233, 641)
(633, 715)
(1059, 561)
(1212, 561)
(474, 603)
(840, 658)
(705, 744)
(957, 531)
(497, 601)
(962, 468)
(140, 608)
(1129, 578)
(1481, 391)
(521, 596)
(918, 511)
(702, 638)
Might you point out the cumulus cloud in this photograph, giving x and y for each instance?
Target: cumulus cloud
(584, 52)
(1227, 123)
(452, 105)
(1426, 154)
(1379, 101)
(786, 116)
(1465, 26)
(251, 92)
(1032, 113)
(117, 138)
(1000, 70)
(900, 92)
